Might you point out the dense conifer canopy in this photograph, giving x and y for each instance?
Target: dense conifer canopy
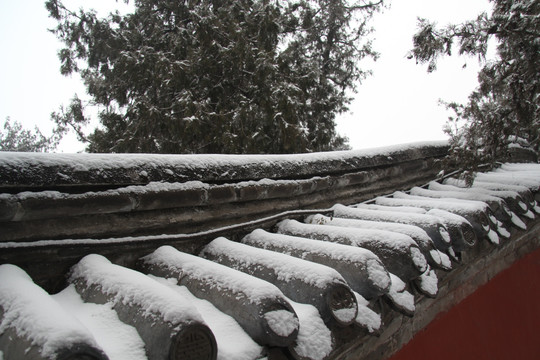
(215, 76)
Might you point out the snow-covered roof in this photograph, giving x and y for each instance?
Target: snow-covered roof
(309, 284)
(30, 170)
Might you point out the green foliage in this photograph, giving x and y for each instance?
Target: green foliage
(71, 118)
(15, 138)
(216, 76)
(505, 106)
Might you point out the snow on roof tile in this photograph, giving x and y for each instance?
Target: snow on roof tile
(387, 259)
(37, 324)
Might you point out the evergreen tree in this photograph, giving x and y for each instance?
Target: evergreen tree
(216, 76)
(15, 138)
(504, 109)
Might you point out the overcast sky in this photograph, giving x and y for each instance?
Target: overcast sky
(398, 104)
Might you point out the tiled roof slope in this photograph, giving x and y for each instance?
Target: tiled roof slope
(349, 282)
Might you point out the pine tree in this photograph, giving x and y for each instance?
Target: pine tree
(505, 107)
(16, 138)
(216, 76)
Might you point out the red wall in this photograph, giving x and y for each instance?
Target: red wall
(501, 320)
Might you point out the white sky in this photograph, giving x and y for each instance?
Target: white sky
(397, 104)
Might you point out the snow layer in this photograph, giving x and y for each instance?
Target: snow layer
(222, 277)
(232, 340)
(518, 222)
(526, 173)
(88, 162)
(417, 234)
(374, 240)
(460, 207)
(524, 191)
(117, 339)
(489, 185)
(499, 204)
(399, 295)
(521, 167)
(282, 322)
(70, 242)
(36, 316)
(134, 189)
(445, 260)
(493, 238)
(286, 272)
(512, 197)
(305, 248)
(413, 231)
(450, 218)
(453, 220)
(433, 185)
(152, 187)
(456, 195)
(448, 204)
(531, 182)
(366, 317)
(456, 206)
(284, 266)
(353, 236)
(314, 339)
(386, 216)
(132, 287)
(428, 282)
(389, 208)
